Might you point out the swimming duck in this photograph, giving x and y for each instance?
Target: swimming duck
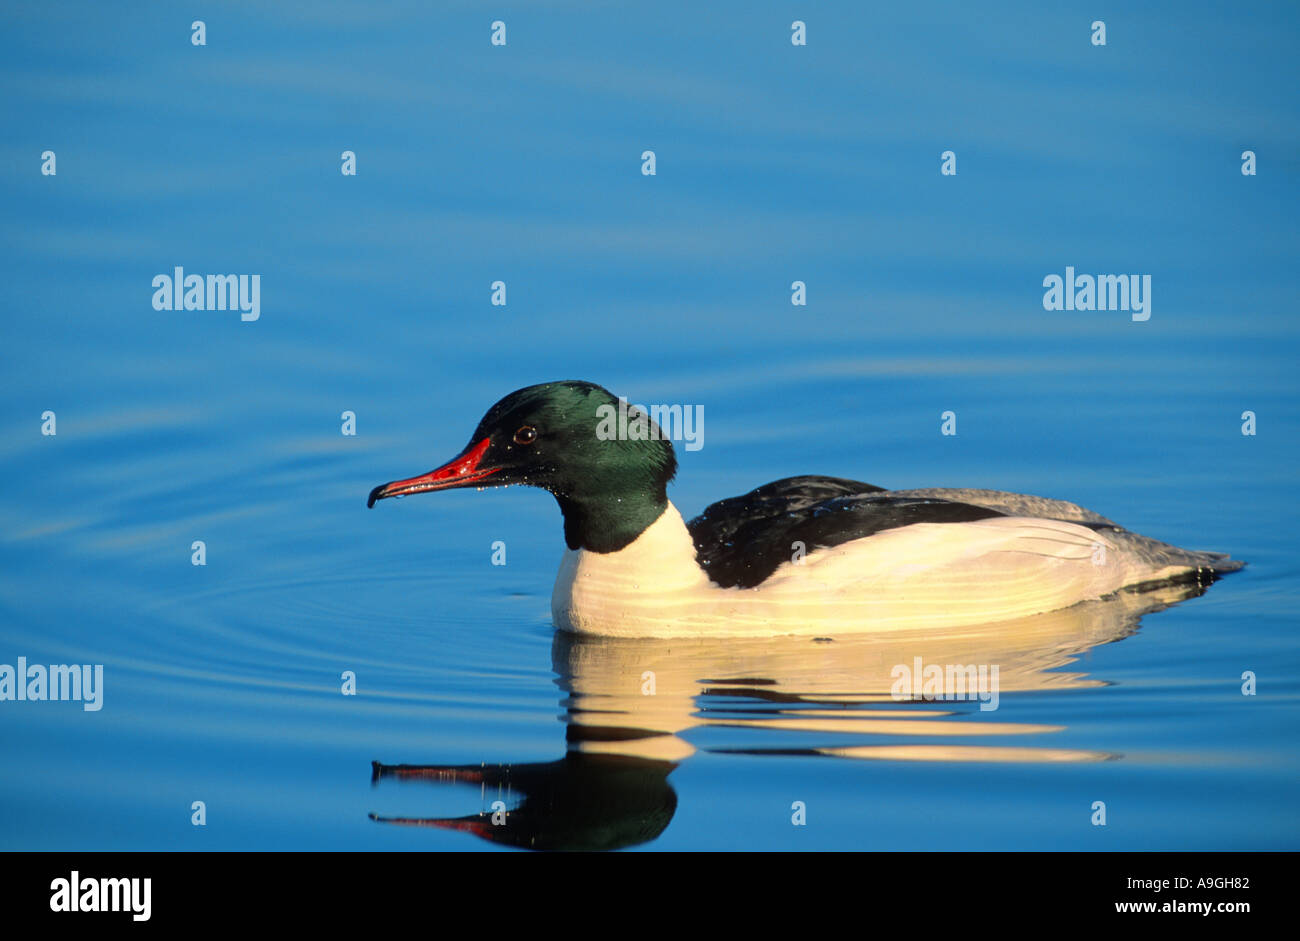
(802, 555)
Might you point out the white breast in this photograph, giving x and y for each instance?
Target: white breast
(923, 576)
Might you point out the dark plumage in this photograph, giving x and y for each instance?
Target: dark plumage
(742, 540)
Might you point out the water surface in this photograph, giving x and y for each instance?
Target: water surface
(222, 682)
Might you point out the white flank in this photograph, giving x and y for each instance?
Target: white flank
(923, 576)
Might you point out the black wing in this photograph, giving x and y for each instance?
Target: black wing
(742, 540)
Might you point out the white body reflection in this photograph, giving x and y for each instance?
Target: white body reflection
(630, 705)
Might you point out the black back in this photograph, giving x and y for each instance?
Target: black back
(742, 540)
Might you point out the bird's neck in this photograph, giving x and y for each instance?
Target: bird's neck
(611, 521)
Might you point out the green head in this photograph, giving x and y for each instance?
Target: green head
(565, 437)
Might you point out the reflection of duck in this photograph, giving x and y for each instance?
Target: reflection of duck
(630, 701)
(803, 555)
(581, 802)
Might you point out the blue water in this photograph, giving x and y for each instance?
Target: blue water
(222, 682)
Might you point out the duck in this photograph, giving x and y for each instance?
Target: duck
(809, 555)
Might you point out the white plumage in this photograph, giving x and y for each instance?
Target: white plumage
(923, 576)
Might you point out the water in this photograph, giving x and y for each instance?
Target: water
(223, 682)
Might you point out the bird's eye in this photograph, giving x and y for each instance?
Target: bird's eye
(526, 435)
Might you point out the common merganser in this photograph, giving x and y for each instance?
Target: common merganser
(802, 555)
